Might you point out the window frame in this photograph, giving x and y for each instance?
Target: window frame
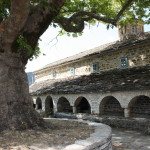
(95, 67)
(133, 29)
(124, 64)
(53, 74)
(72, 71)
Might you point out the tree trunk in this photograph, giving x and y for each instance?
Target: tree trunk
(16, 110)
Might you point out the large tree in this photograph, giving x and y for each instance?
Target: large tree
(22, 22)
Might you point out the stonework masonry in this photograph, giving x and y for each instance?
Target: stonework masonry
(110, 80)
(95, 100)
(138, 55)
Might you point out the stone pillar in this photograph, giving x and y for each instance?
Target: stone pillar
(43, 104)
(36, 106)
(54, 109)
(95, 110)
(126, 112)
(74, 110)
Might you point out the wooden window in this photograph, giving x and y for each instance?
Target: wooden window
(72, 71)
(95, 67)
(133, 29)
(123, 62)
(54, 74)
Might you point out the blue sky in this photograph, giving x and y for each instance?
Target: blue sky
(65, 46)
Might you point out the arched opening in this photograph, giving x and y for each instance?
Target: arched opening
(82, 105)
(48, 106)
(110, 106)
(38, 103)
(140, 107)
(63, 105)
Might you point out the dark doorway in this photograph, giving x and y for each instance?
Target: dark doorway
(140, 107)
(48, 106)
(63, 105)
(110, 106)
(82, 105)
(38, 103)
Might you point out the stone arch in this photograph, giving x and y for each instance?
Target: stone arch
(63, 105)
(110, 106)
(48, 106)
(38, 103)
(139, 106)
(82, 105)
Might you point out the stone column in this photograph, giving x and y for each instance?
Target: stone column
(95, 110)
(36, 106)
(74, 110)
(43, 104)
(126, 112)
(54, 109)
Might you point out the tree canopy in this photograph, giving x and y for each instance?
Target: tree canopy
(71, 16)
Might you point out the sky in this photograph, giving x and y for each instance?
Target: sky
(53, 49)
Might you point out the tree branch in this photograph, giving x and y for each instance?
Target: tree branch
(76, 22)
(11, 27)
(127, 4)
(39, 21)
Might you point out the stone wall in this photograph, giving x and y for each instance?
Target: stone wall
(138, 55)
(101, 139)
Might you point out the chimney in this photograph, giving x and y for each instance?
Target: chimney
(127, 31)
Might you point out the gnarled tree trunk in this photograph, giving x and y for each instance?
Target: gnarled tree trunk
(16, 110)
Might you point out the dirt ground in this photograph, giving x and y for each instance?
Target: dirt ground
(61, 134)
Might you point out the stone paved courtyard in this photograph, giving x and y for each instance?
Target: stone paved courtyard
(130, 140)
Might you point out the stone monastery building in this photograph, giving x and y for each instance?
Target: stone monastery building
(110, 80)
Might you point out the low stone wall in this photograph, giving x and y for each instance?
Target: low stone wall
(140, 124)
(99, 140)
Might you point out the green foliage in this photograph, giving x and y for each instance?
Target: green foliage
(36, 52)
(27, 49)
(40, 3)
(63, 32)
(139, 9)
(4, 8)
(108, 8)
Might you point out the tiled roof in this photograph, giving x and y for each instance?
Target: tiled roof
(136, 78)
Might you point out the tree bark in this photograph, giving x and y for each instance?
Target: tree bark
(38, 22)
(16, 110)
(11, 27)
